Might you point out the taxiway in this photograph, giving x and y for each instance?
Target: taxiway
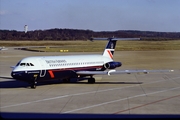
(153, 93)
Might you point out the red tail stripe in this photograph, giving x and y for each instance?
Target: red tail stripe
(110, 54)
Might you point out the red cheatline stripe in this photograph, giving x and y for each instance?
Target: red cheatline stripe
(110, 54)
(51, 74)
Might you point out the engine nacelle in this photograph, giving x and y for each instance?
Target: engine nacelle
(112, 65)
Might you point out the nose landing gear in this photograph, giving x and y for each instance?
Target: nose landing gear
(33, 83)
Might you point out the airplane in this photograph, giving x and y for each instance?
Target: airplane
(40, 68)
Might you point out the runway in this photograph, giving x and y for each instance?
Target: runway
(124, 94)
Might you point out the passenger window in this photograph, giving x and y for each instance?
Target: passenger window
(27, 64)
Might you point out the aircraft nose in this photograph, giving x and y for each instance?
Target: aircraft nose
(16, 75)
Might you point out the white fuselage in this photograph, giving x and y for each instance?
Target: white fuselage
(57, 67)
(61, 62)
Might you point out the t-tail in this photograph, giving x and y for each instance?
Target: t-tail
(110, 47)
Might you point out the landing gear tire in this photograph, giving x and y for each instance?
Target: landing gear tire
(91, 80)
(33, 85)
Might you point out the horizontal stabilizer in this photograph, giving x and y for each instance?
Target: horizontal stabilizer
(114, 39)
(119, 72)
(139, 71)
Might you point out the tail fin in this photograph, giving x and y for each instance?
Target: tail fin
(110, 47)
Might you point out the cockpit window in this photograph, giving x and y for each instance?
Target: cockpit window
(22, 64)
(25, 64)
(31, 64)
(18, 63)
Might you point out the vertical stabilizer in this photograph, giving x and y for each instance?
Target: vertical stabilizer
(110, 48)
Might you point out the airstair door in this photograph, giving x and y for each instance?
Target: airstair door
(42, 66)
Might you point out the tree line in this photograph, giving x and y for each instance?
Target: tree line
(77, 34)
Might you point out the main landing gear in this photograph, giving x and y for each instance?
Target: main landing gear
(91, 80)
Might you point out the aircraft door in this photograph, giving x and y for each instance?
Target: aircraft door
(42, 66)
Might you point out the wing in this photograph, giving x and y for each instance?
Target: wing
(111, 72)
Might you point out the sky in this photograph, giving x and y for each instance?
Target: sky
(96, 15)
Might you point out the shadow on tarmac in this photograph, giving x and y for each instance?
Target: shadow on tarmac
(12, 83)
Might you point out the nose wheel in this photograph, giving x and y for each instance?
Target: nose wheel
(33, 82)
(33, 85)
